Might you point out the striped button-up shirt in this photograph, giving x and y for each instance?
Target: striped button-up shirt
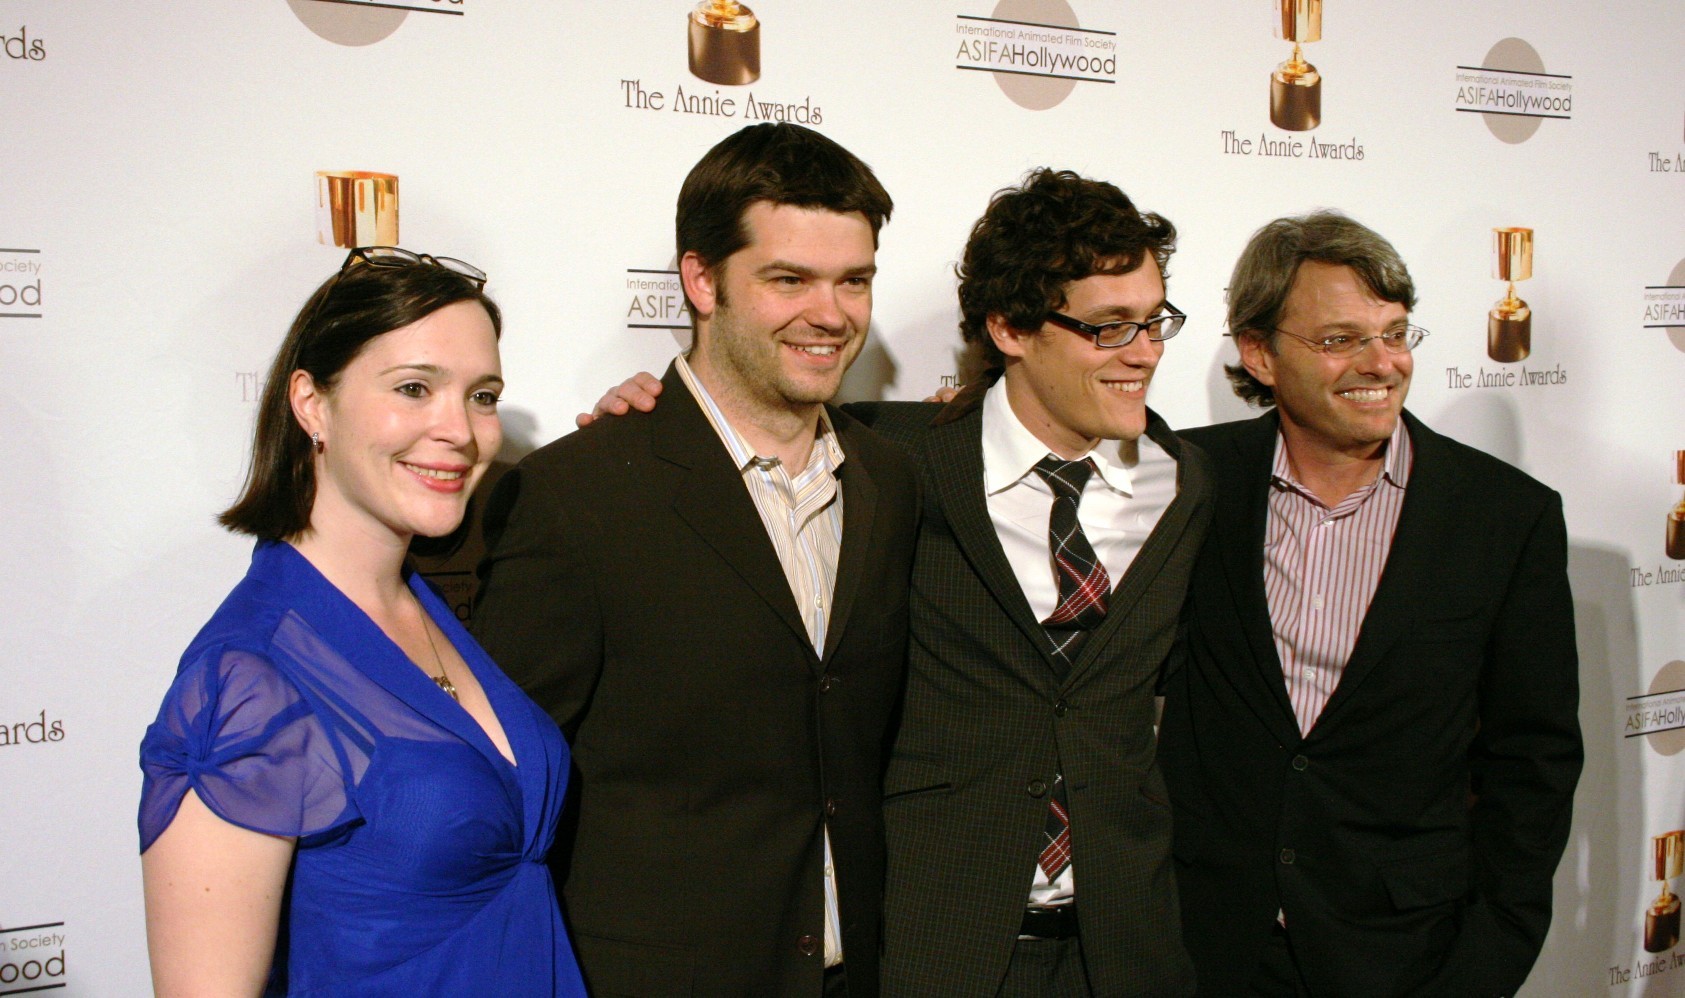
(1321, 568)
(803, 516)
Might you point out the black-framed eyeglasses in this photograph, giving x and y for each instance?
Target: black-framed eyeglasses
(1401, 340)
(397, 256)
(1110, 335)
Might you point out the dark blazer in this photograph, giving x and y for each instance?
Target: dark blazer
(987, 723)
(1411, 838)
(631, 589)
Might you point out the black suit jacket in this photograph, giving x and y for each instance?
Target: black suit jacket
(988, 723)
(1412, 836)
(632, 590)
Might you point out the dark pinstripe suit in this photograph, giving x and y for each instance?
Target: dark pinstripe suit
(987, 723)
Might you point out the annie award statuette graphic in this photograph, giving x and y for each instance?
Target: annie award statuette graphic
(1509, 326)
(1676, 518)
(725, 43)
(1296, 86)
(1661, 920)
(356, 208)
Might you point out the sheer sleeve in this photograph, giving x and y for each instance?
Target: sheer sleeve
(236, 730)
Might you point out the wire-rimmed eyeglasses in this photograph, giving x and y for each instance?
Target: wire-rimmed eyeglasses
(1110, 335)
(1399, 340)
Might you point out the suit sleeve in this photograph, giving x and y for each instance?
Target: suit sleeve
(903, 424)
(537, 611)
(1524, 764)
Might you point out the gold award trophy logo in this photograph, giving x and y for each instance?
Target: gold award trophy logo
(1509, 325)
(1296, 86)
(1661, 920)
(356, 208)
(1676, 518)
(725, 43)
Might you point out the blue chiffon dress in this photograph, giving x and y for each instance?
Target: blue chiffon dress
(420, 862)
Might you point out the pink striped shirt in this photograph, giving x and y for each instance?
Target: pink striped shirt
(1321, 568)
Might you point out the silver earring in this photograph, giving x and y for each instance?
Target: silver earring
(316, 442)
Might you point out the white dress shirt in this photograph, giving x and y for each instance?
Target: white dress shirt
(1119, 507)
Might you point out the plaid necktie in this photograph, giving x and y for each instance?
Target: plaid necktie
(1083, 588)
(1083, 584)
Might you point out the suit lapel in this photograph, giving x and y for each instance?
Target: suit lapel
(1411, 561)
(1155, 550)
(1238, 529)
(954, 454)
(712, 499)
(860, 505)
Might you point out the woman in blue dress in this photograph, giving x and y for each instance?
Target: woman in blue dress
(343, 795)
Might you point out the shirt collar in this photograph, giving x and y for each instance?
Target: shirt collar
(1010, 450)
(743, 457)
(1395, 469)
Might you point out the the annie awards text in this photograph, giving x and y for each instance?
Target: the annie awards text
(1638, 578)
(1522, 377)
(1660, 163)
(1287, 147)
(38, 730)
(1644, 968)
(21, 46)
(635, 95)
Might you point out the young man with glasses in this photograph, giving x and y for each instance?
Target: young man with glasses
(1029, 828)
(1370, 735)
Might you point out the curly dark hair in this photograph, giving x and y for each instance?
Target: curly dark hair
(1053, 228)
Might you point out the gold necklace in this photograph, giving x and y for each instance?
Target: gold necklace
(442, 679)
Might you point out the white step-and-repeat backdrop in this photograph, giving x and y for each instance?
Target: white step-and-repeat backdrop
(159, 226)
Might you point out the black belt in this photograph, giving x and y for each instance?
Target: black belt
(1057, 922)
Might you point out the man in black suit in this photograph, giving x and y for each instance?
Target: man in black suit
(711, 601)
(1023, 774)
(1371, 740)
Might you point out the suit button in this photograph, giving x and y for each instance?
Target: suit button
(1287, 857)
(1301, 763)
(809, 945)
(1036, 788)
(825, 685)
(830, 807)
(1061, 708)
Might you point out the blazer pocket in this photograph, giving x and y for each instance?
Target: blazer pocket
(1153, 788)
(615, 968)
(915, 778)
(1461, 627)
(1424, 881)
